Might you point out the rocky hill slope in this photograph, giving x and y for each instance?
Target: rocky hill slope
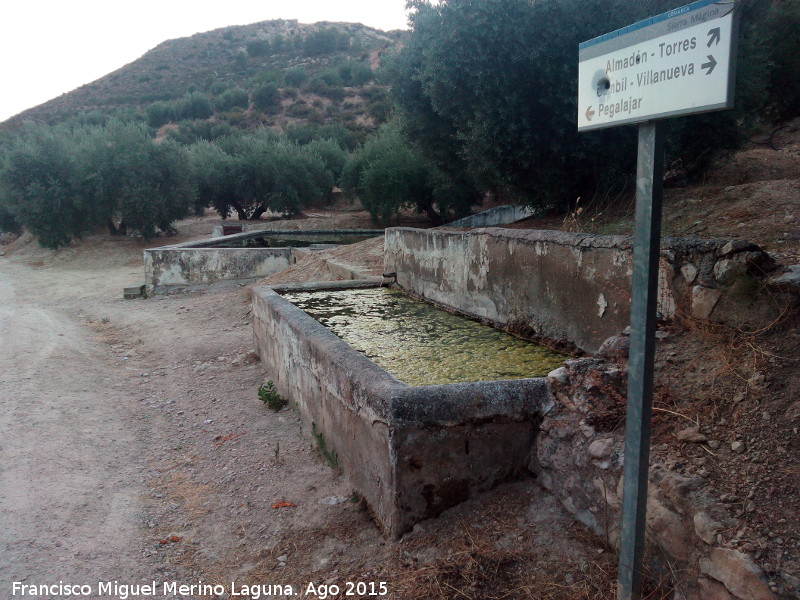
(232, 57)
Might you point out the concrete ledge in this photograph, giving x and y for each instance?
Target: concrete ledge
(499, 215)
(310, 235)
(411, 452)
(133, 291)
(569, 287)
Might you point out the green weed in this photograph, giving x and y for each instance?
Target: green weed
(270, 396)
(329, 456)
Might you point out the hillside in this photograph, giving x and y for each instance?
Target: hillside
(244, 57)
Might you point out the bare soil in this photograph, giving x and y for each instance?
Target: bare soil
(135, 448)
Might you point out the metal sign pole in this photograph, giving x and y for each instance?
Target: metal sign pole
(647, 240)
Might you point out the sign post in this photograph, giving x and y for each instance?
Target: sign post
(678, 63)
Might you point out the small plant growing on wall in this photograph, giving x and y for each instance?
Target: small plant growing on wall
(270, 396)
(329, 456)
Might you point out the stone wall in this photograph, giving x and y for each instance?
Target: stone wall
(579, 458)
(570, 287)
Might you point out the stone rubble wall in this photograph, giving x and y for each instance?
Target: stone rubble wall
(579, 456)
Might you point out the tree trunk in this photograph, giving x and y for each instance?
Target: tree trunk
(239, 211)
(434, 216)
(258, 212)
(112, 229)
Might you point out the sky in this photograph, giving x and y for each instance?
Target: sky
(49, 47)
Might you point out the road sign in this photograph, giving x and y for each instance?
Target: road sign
(678, 63)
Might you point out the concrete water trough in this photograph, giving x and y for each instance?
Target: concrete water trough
(412, 451)
(242, 257)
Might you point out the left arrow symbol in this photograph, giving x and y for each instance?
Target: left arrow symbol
(589, 113)
(709, 65)
(714, 36)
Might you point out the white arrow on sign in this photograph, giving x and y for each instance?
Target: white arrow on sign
(660, 67)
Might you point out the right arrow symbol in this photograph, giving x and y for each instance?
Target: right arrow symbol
(589, 113)
(709, 65)
(714, 36)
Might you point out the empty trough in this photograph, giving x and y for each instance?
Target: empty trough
(415, 450)
(241, 257)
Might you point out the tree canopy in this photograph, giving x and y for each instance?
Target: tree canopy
(488, 90)
(61, 182)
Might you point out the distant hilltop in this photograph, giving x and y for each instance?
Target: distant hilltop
(230, 57)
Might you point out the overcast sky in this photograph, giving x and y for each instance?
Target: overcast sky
(48, 47)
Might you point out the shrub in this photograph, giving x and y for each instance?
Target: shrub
(325, 41)
(295, 77)
(389, 173)
(488, 89)
(219, 87)
(65, 181)
(270, 397)
(331, 78)
(41, 180)
(233, 98)
(779, 30)
(8, 220)
(278, 44)
(190, 132)
(195, 105)
(251, 174)
(332, 156)
(258, 47)
(267, 97)
(355, 73)
(161, 113)
(301, 110)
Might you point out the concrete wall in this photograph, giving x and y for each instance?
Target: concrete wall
(571, 287)
(182, 266)
(499, 215)
(411, 452)
(204, 261)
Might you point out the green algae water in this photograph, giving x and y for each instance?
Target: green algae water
(420, 344)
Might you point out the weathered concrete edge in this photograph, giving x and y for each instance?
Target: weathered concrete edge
(214, 243)
(441, 405)
(575, 287)
(472, 403)
(319, 286)
(192, 266)
(499, 215)
(219, 285)
(576, 240)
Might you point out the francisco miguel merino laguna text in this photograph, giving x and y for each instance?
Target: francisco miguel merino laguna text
(124, 591)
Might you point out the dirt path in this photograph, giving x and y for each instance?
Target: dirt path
(133, 447)
(72, 441)
(107, 406)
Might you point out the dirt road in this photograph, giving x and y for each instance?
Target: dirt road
(133, 448)
(74, 441)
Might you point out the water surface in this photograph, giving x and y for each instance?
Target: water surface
(422, 345)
